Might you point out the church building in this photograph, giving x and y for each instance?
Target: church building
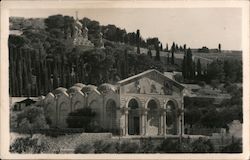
(147, 104)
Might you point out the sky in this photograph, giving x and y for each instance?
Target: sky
(195, 27)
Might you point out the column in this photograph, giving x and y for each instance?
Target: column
(164, 123)
(126, 123)
(142, 124)
(161, 124)
(159, 120)
(145, 122)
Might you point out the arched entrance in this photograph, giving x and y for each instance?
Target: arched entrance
(152, 118)
(111, 115)
(133, 118)
(171, 118)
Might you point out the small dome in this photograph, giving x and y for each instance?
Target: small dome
(88, 88)
(79, 23)
(80, 85)
(73, 89)
(59, 90)
(106, 87)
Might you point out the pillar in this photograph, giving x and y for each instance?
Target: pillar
(126, 123)
(145, 122)
(161, 124)
(164, 124)
(142, 124)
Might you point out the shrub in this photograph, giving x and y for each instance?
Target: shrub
(202, 145)
(31, 119)
(106, 147)
(234, 147)
(28, 145)
(128, 147)
(80, 118)
(85, 148)
(169, 146)
(147, 146)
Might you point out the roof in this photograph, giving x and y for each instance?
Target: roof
(88, 88)
(74, 89)
(59, 90)
(80, 85)
(140, 75)
(27, 101)
(106, 87)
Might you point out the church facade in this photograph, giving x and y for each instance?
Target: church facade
(147, 104)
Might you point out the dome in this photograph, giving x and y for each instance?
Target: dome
(106, 87)
(88, 88)
(80, 85)
(59, 90)
(73, 89)
(78, 23)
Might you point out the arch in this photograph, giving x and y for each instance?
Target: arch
(111, 115)
(133, 117)
(63, 113)
(78, 105)
(136, 99)
(172, 117)
(153, 120)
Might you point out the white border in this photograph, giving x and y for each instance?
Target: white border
(7, 5)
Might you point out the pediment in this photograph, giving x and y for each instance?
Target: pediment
(150, 82)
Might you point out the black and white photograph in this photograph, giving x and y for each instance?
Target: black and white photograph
(126, 80)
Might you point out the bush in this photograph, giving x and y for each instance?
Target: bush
(202, 145)
(106, 147)
(80, 118)
(147, 146)
(128, 147)
(28, 145)
(85, 148)
(169, 146)
(234, 147)
(31, 119)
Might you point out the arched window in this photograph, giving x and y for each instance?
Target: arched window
(171, 117)
(111, 115)
(133, 118)
(152, 118)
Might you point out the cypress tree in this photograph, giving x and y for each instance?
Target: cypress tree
(172, 51)
(149, 53)
(157, 54)
(138, 39)
(198, 69)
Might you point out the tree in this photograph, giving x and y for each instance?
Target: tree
(157, 54)
(149, 53)
(172, 51)
(199, 69)
(219, 47)
(31, 119)
(80, 118)
(215, 71)
(138, 40)
(166, 47)
(192, 116)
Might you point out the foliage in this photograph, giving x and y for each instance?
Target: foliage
(202, 145)
(28, 145)
(234, 147)
(169, 146)
(85, 148)
(80, 118)
(106, 147)
(31, 119)
(192, 116)
(128, 147)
